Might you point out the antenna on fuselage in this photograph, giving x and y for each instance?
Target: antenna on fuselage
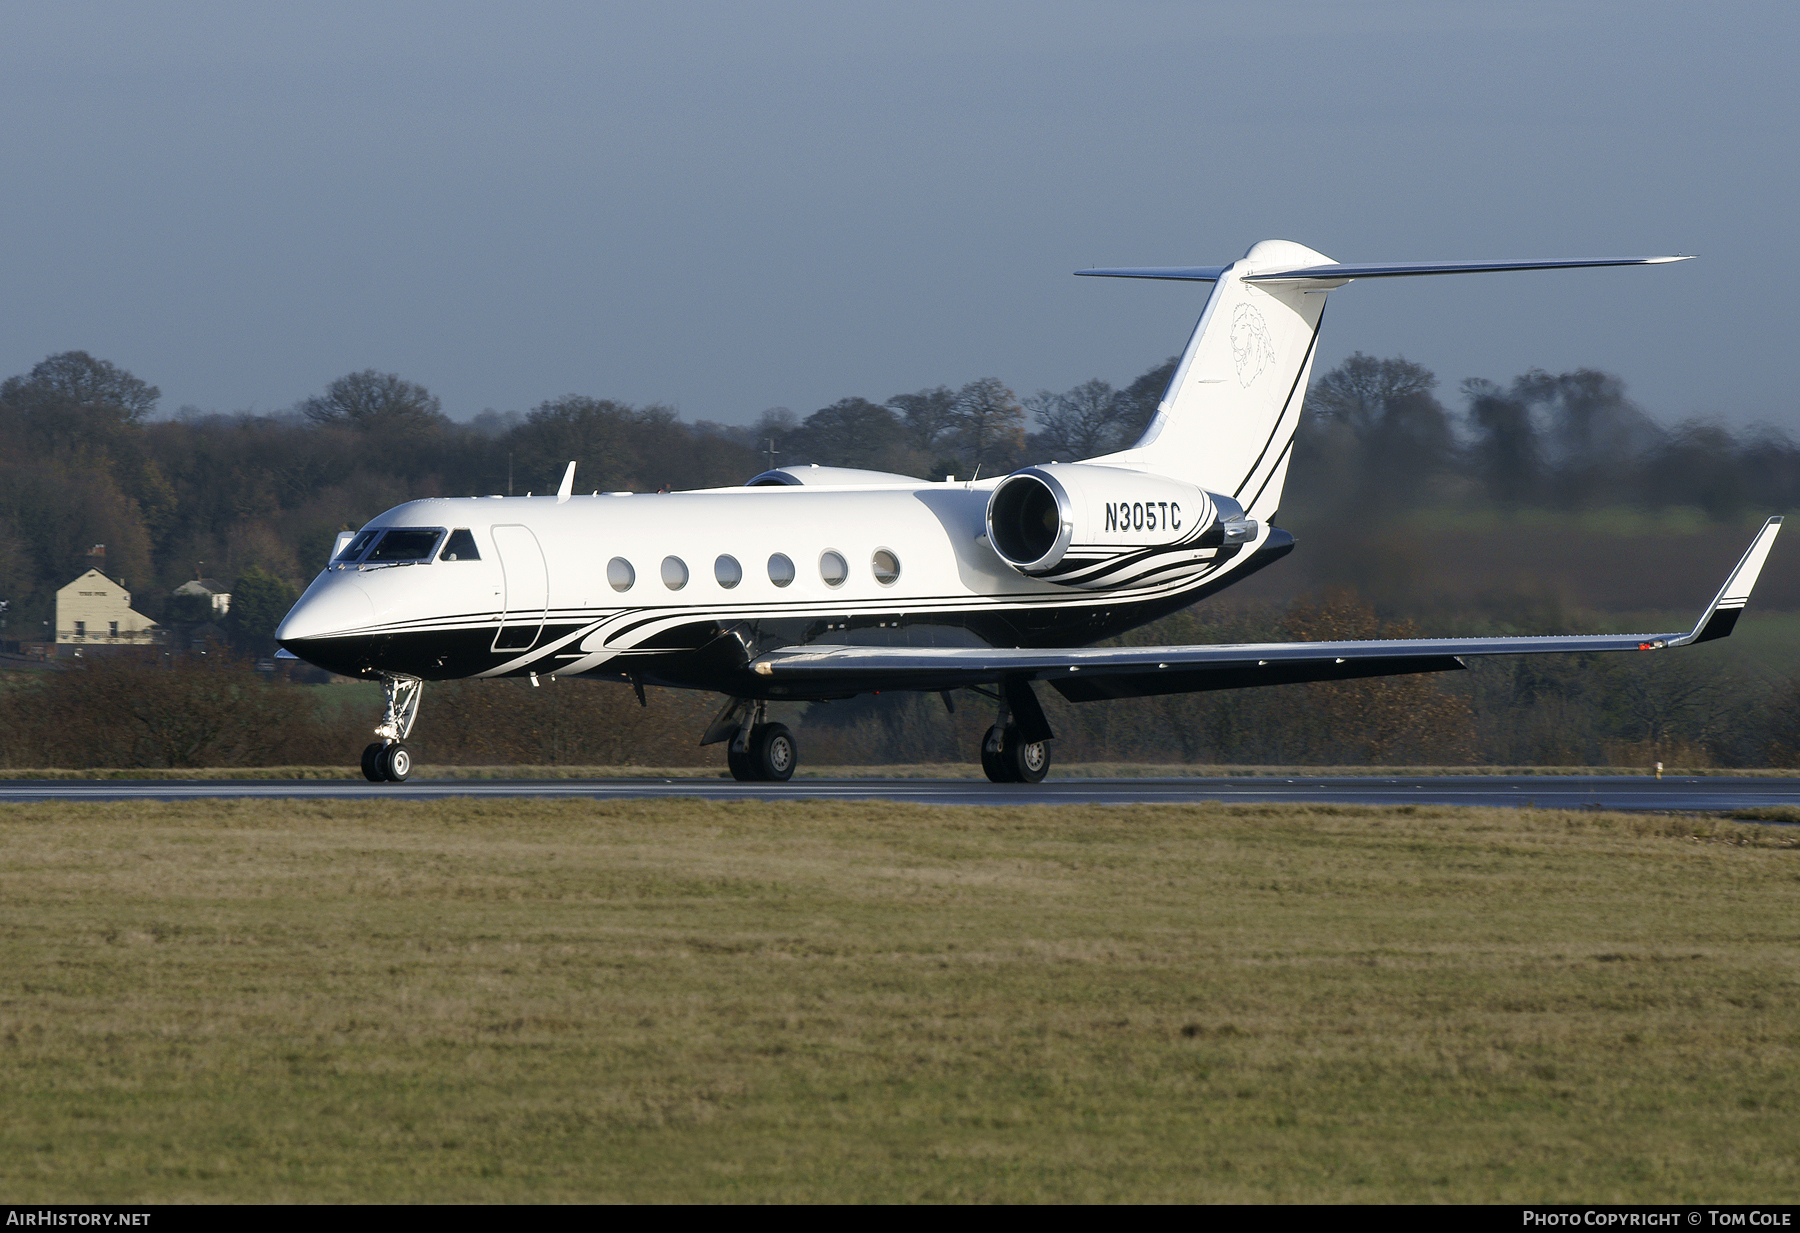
(568, 485)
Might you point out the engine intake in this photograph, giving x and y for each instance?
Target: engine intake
(1030, 520)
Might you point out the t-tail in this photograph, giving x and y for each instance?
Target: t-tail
(1228, 419)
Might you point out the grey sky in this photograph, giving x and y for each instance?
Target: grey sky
(729, 207)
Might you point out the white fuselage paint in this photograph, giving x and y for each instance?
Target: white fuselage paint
(935, 531)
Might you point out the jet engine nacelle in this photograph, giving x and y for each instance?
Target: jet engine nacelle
(1076, 522)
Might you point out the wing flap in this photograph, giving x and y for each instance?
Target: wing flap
(1093, 686)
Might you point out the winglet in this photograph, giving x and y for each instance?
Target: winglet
(568, 485)
(1722, 614)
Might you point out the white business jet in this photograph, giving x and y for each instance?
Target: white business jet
(819, 582)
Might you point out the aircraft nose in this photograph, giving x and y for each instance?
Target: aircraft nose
(337, 606)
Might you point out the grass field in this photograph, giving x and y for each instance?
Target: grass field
(510, 1000)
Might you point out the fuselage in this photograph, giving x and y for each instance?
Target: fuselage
(686, 589)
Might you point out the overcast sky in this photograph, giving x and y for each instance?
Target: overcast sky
(728, 207)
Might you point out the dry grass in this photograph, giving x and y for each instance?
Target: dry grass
(515, 1000)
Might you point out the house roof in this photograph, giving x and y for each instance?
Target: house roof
(91, 573)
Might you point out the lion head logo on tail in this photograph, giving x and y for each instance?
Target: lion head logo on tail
(1252, 346)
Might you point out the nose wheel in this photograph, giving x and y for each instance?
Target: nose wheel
(386, 762)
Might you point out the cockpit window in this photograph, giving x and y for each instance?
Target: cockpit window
(406, 544)
(460, 547)
(357, 546)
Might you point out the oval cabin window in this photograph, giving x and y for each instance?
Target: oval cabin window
(674, 572)
(833, 568)
(781, 570)
(886, 567)
(620, 574)
(728, 571)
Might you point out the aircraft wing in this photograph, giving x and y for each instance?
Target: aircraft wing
(1084, 674)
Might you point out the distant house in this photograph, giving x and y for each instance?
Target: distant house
(95, 611)
(213, 590)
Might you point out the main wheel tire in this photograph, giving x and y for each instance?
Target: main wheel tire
(994, 762)
(1026, 761)
(396, 763)
(739, 763)
(371, 762)
(773, 753)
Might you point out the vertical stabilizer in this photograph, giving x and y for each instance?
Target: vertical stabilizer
(1228, 419)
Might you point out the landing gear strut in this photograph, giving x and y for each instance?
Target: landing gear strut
(758, 752)
(1017, 748)
(387, 760)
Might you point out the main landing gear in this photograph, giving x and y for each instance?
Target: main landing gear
(387, 760)
(759, 752)
(1017, 748)
(1006, 757)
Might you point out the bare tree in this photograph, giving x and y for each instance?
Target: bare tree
(930, 416)
(852, 432)
(1361, 390)
(616, 444)
(1136, 404)
(1506, 451)
(990, 425)
(75, 378)
(372, 401)
(74, 402)
(1591, 421)
(1078, 423)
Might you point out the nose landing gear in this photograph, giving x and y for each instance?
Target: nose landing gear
(387, 760)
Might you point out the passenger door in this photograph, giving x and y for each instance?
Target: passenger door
(527, 583)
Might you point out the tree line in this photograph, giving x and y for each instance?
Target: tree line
(85, 461)
(1377, 437)
(256, 500)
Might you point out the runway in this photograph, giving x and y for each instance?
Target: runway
(1699, 794)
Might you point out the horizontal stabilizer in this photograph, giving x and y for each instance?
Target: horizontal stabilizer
(1406, 269)
(1184, 273)
(1341, 271)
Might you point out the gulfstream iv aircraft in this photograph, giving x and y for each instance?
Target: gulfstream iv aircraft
(818, 583)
